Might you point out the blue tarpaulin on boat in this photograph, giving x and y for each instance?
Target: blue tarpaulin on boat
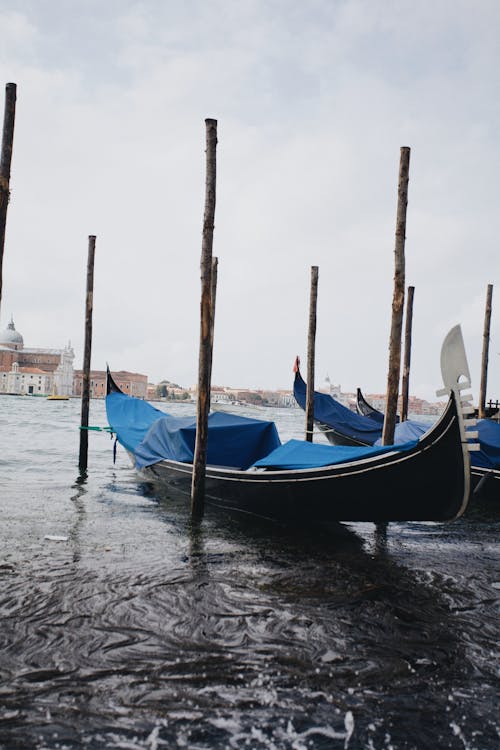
(232, 440)
(130, 418)
(152, 435)
(350, 424)
(299, 454)
(489, 441)
(408, 430)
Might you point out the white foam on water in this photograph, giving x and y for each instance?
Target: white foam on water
(457, 731)
(153, 741)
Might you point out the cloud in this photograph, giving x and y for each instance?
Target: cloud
(19, 36)
(313, 104)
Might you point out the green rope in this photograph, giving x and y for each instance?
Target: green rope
(97, 429)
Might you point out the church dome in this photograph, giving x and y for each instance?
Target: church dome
(10, 337)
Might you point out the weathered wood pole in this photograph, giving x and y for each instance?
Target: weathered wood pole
(405, 388)
(486, 345)
(311, 352)
(206, 332)
(397, 301)
(89, 305)
(213, 297)
(5, 162)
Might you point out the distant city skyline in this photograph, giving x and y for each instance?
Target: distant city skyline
(40, 371)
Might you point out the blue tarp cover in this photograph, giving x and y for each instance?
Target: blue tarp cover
(489, 440)
(130, 418)
(151, 435)
(299, 454)
(341, 419)
(409, 430)
(232, 440)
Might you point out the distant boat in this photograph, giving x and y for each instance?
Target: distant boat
(365, 409)
(250, 471)
(56, 396)
(342, 426)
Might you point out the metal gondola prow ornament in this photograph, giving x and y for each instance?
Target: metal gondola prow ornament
(454, 363)
(456, 378)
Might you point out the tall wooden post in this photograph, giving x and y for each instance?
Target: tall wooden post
(311, 352)
(213, 296)
(89, 304)
(405, 389)
(5, 162)
(206, 335)
(486, 344)
(397, 301)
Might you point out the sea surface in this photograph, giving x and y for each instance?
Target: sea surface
(123, 626)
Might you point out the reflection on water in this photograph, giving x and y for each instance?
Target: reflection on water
(138, 629)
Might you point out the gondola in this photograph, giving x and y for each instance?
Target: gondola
(342, 426)
(367, 410)
(250, 471)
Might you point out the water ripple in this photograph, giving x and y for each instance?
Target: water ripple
(122, 626)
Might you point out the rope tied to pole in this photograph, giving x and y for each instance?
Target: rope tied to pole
(96, 429)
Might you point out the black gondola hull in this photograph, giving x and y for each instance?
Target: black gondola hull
(431, 482)
(338, 438)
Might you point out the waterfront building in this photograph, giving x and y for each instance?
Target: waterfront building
(131, 383)
(416, 406)
(152, 392)
(33, 371)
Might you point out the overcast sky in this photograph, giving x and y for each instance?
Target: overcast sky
(313, 101)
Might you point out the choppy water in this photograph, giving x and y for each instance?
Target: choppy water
(123, 627)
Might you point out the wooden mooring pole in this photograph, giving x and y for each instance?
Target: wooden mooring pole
(397, 301)
(5, 162)
(213, 296)
(486, 345)
(405, 387)
(311, 353)
(206, 332)
(89, 304)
